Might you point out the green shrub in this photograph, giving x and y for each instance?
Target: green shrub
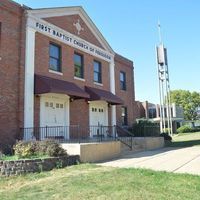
(28, 149)
(185, 129)
(51, 148)
(6, 144)
(24, 149)
(144, 128)
(197, 129)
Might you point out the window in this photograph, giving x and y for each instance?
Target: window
(78, 65)
(55, 57)
(57, 105)
(152, 113)
(51, 105)
(122, 80)
(124, 116)
(97, 72)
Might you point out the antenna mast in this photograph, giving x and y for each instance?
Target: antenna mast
(164, 86)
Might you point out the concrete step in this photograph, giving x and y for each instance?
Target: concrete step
(136, 148)
(142, 144)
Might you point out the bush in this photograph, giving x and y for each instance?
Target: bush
(145, 128)
(25, 149)
(188, 129)
(6, 144)
(6, 148)
(185, 129)
(28, 149)
(196, 129)
(166, 136)
(51, 148)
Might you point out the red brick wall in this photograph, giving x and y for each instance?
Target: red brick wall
(125, 65)
(146, 108)
(79, 113)
(66, 23)
(121, 64)
(10, 67)
(42, 67)
(139, 110)
(42, 63)
(12, 52)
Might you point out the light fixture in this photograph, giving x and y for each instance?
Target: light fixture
(71, 99)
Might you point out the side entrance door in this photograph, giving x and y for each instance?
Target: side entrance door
(53, 117)
(98, 112)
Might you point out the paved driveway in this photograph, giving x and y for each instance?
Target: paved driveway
(184, 160)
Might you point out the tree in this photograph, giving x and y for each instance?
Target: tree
(190, 101)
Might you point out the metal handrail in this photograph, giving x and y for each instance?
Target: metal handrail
(72, 133)
(126, 138)
(125, 130)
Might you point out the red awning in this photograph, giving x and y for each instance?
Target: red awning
(98, 94)
(44, 84)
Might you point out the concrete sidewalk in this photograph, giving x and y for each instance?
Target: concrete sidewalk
(184, 160)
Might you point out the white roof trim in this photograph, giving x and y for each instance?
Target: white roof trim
(76, 10)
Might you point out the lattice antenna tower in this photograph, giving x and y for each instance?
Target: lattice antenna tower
(164, 86)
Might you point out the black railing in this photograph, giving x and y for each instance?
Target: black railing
(73, 133)
(146, 131)
(124, 136)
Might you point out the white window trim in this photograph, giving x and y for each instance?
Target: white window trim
(80, 79)
(96, 83)
(55, 72)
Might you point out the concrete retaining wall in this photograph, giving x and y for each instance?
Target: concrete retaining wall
(8, 168)
(149, 143)
(93, 152)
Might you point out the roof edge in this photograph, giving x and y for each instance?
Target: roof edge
(85, 17)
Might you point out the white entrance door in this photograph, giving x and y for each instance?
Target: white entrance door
(54, 112)
(98, 111)
(54, 116)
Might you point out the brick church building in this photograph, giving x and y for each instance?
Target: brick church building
(57, 70)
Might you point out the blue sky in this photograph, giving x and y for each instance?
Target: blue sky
(130, 27)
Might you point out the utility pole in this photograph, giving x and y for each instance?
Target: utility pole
(164, 86)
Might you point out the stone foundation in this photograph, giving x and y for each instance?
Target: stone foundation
(18, 167)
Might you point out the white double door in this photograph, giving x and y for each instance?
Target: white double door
(54, 114)
(98, 114)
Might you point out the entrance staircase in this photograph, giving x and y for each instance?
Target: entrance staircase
(128, 143)
(136, 148)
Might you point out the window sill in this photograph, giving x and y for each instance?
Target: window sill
(96, 83)
(80, 79)
(55, 72)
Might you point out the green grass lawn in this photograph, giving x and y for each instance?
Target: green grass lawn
(185, 140)
(94, 182)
